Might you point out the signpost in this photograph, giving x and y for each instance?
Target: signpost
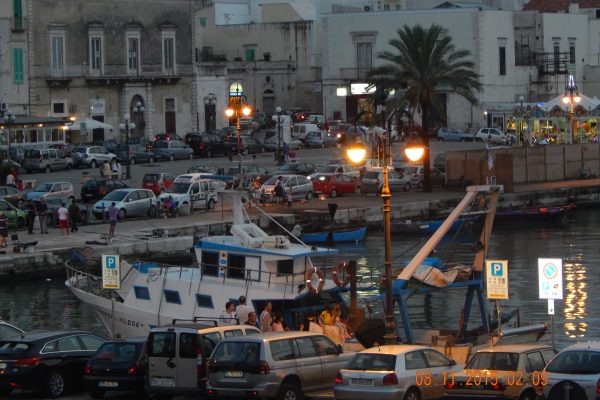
(550, 284)
(111, 279)
(496, 281)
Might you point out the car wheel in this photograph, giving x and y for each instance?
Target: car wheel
(93, 164)
(407, 187)
(132, 161)
(49, 220)
(191, 156)
(151, 160)
(211, 204)
(69, 167)
(309, 195)
(83, 217)
(20, 222)
(122, 214)
(171, 157)
(289, 391)
(412, 394)
(56, 384)
(152, 212)
(527, 395)
(95, 393)
(333, 194)
(48, 169)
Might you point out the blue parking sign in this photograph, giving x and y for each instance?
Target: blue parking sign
(497, 269)
(111, 262)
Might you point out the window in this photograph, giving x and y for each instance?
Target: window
(236, 266)
(249, 54)
(91, 342)
(172, 296)
(18, 15)
(141, 293)
(373, 362)
(96, 55)
(364, 56)
(535, 362)
(398, 7)
(415, 360)
(168, 53)
(57, 47)
(306, 347)
(187, 345)
(161, 344)
(386, 7)
(210, 341)
(502, 59)
(58, 108)
(556, 57)
(285, 267)
(233, 333)
(18, 71)
(204, 301)
(282, 350)
(436, 359)
(202, 22)
(133, 53)
(69, 343)
(572, 53)
(325, 346)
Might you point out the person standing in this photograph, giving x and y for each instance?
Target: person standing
(74, 215)
(30, 209)
(286, 153)
(10, 180)
(113, 214)
(228, 316)
(243, 310)
(42, 211)
(63, 219)
(105, 170)
(265, 318)
(114, 170)
(20, 185)
(252, 320)
(3, 229)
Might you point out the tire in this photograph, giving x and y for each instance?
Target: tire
(122, 214)
(333, 194)
(95, 393)
(20, 222)
(309, 195)
(48, 169)
(93, 164)
(171, 157)
(69, 167)
(152, 212)
(191, 156)
(407, 187)
(289, 391)
(210, 205)
(528, 395)
(412, 394)
(151, 160)
(56, 384)
(132, 161)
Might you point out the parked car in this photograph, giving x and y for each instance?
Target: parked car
(300, 186)
(95, 189)
(248, 145)
(333, 185)
(91, 156)
(339, 131)
(130, 202)
(7, 330)
(439, 161)
(337, 169)
(54, 203)
(189, 190)
(137, 154)
(51, 361)
(417, 175)
(167, 136)
(206, 144)
(109, 145)
(17, 154)
(117, 366)
(505, 372)
(494, 136)
(574, 373)
(172, 150)
(12, 195)
(65, 147)
(15, 165)
(178, 355)
(51, 189)
(297, 169)
(319, 139)
(454, 135)
(282, 365)
(372, 181)
(158, 182)
(16, 217)
(394, 372)
(300, 130)
(46, 160)
(272, 141)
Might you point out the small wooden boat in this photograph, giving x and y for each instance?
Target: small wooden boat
(349, 235)
(539, 214)
(411, 227)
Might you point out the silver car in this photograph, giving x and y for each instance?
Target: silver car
(91, 156)
(396, 372)
(172, 150)
(300, 186)
(372, 182)
(283, 365)
(573, 374)
(46, 160)
(130, 202)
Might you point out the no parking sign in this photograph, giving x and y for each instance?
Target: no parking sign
(550, 278)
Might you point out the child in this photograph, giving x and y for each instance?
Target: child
(290, 199)
(277, 325)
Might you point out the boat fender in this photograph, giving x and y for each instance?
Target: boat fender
(338, 267)
(308, 279)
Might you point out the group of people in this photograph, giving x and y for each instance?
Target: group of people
(329, 322)
(112, 170)
(12, 179)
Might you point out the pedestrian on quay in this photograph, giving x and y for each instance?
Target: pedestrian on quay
(3, 229)
(42, 212)
(20, 185)
(290, 199)
(286, 153)
(243, 310)
(105, 170)
(265, 318)
(228, 316)
(63, 219)
(30, 209)
(10, 179)
(74, 215)
(113, 214)
(114, 170)
(252, 320)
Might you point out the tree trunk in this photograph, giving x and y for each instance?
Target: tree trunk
(425, 140)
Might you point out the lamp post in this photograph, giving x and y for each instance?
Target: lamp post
(210, 102)
(237, 111)
(138, 111)
(126, 125)
(9, 120)
(279, 149)
(521, 115)
(571, 97)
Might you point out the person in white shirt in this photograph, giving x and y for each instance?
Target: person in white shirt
(10, 180)
(242, 310)
(228, 316)
(63, 219)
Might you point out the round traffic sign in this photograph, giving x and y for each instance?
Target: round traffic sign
(550, 271)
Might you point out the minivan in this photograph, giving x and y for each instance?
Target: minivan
(193, 191)
(178, 354)
(206, 144)
(301, 130)
(171, 150)
(46, 160)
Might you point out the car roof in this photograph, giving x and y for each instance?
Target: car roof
(33, 336)
(516, 348)
(53, 182)
(595, 346)
(129, 190)
(394, 349)
(265, 337)
(137, 339)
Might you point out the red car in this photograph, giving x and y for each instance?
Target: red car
(157, 182)
(333, 184)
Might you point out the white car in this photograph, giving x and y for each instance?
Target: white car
(130, 202)
(494, 136)
(200, 193)
(337, 169)
(300, 186)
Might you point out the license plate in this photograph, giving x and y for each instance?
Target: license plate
(361, 381)
(163, 382)
(3, 365)
(108, 384)
(234, 374)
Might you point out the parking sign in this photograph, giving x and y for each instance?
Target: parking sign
(550, 278)
(496, 275)
(111, 272)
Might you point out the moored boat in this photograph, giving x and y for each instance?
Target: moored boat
(339, 236)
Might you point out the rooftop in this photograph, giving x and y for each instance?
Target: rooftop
(555, 6)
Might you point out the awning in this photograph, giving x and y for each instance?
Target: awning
(89, 124)
(586, 102)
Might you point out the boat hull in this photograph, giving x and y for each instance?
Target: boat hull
(354, 235)
(424, 227)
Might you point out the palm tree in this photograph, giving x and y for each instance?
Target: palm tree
(423, 64)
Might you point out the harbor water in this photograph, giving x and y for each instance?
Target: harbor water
(47, 304)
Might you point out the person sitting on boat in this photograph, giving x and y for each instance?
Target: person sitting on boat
(243, 310)
(252, 320)
(277, 324)
(327, 323)
(228, 316)
(265, 318)
(310, 323)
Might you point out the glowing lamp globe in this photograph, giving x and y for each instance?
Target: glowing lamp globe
(229, 112)
(414, 153)
(566, 99)
(356, 153)
(577, 98)
(246, 111)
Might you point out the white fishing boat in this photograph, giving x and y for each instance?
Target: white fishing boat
(248, 262)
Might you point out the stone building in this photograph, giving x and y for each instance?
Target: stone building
(100, 59)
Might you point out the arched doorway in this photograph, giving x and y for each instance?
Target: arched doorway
(268, 102)
(137, 109)
(210, 112)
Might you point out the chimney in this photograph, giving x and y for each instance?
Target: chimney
(574, 7)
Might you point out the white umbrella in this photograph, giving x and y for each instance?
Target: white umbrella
(89, 124)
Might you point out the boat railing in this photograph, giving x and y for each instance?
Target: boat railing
(85, 281)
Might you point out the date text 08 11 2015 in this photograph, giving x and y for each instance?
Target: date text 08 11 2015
(482, 377)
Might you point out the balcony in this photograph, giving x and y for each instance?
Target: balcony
(208, 69)
(354, 74)
(18, 24)
(553, 63)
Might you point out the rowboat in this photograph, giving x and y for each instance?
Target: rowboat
(348, 235)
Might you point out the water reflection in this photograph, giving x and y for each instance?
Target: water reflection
(575, 299)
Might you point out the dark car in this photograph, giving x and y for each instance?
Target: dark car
(137, 154)
(248, 145)
(117, 366)
(206, 144)
(166, 136)
(95, 189)
(52, 361)
(297, 169)
(11, 194)
(109, 145)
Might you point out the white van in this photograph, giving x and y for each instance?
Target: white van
(300, 130)
(193, 191)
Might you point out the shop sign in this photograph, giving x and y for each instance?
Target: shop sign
(361, 88)
(550, 278)
(97, 106)
(111, 272)
(496, 274)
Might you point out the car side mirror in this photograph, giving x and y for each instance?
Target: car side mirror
(452, 362)
(340, 349)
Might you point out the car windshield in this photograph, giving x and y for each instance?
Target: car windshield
(91, 184)
(575, 362)
(44, 187)
(32, 153)
(289, 167)
(117, 195)
(410, 170)
(236, 353)
(151, 178)
(161, 145)
(330, 168)
(118, 352)
(78, 150)
(500, 361)
(179, 187)
(372, 362)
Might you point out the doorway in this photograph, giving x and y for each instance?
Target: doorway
(170, 116)
(98, 133)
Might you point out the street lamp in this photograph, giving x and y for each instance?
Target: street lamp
(238, 110)
(210, 102)
(9, 119)
(571, 97)
(126, 126)
(138, 111)
(278, 152)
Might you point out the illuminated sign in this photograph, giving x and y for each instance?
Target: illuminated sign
(361, 88)
(236, 89)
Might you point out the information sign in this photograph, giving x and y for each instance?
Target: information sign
(550, 278)
(111, 272)
(496, 273)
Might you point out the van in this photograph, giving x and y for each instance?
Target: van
(46, 160)
(193, 191)
(178, 354)
(301, 130)
(206, 144)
